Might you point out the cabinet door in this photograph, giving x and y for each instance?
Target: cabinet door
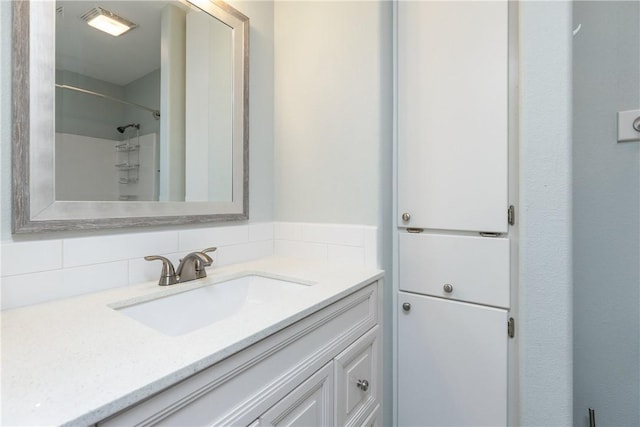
(357, 374)
(453, 115)
(452, 363)
(309, 405)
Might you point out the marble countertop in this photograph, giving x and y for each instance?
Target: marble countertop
(77, 361)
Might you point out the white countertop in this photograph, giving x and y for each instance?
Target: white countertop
(77, 361)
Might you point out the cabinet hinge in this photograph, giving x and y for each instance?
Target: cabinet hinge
(511, 327)
(511, 215)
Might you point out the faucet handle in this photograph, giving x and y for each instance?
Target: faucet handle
(168, 273)
(203, 260)
(200, 271)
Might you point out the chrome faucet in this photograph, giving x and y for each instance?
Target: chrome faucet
(191, 267)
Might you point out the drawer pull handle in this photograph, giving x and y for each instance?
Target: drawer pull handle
(406, 306)
(448, 288)
(363, 385)
(406, 217)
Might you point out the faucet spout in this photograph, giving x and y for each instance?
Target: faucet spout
(192, 266)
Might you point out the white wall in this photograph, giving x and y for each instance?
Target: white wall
(545, 321)
(606, 71)
(332, 109)
(85, 168)
(333, 124)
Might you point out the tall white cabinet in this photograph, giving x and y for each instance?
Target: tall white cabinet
(454, 252)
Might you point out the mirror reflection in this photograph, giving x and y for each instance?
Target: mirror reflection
(145, 115)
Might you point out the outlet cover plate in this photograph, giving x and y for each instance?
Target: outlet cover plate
(626, 132)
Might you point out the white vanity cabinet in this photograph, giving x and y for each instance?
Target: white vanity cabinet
(300, 376)
(342, 393)
(452, 109)
(310, 404)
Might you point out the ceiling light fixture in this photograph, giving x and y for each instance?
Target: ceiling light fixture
(108, 22)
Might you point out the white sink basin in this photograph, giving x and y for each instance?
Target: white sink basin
(184, 312)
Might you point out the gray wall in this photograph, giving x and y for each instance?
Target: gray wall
(144, 91)
(5, 119)
(606, 192)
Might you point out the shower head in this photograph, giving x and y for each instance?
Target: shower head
(121, 129)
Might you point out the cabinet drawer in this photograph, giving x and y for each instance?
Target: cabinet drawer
(357, 377)
(477, 268)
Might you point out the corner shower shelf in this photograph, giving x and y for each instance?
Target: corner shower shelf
(127, 148)
(128, 180)
(127, 166)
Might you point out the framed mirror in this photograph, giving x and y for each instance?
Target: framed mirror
(148, 127)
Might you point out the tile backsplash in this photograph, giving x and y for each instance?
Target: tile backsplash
(38, 271)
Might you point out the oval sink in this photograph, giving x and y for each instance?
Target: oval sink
(184, 312)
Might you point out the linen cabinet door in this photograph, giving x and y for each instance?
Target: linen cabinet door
(309, 405)
(453, 115)
(452, 363)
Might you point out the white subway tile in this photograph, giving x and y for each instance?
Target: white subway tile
(27, 289)
(260, 231)
(244, 252)
(198, 239)
(94, 278)
(351, 235)
(94, 250)
(306, 250)
(287, 231)
(30, 257)
(348, 255)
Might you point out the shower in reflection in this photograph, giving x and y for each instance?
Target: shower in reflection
(121, 129)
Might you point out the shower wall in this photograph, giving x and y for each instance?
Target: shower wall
(606, 79)
(85, 168)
